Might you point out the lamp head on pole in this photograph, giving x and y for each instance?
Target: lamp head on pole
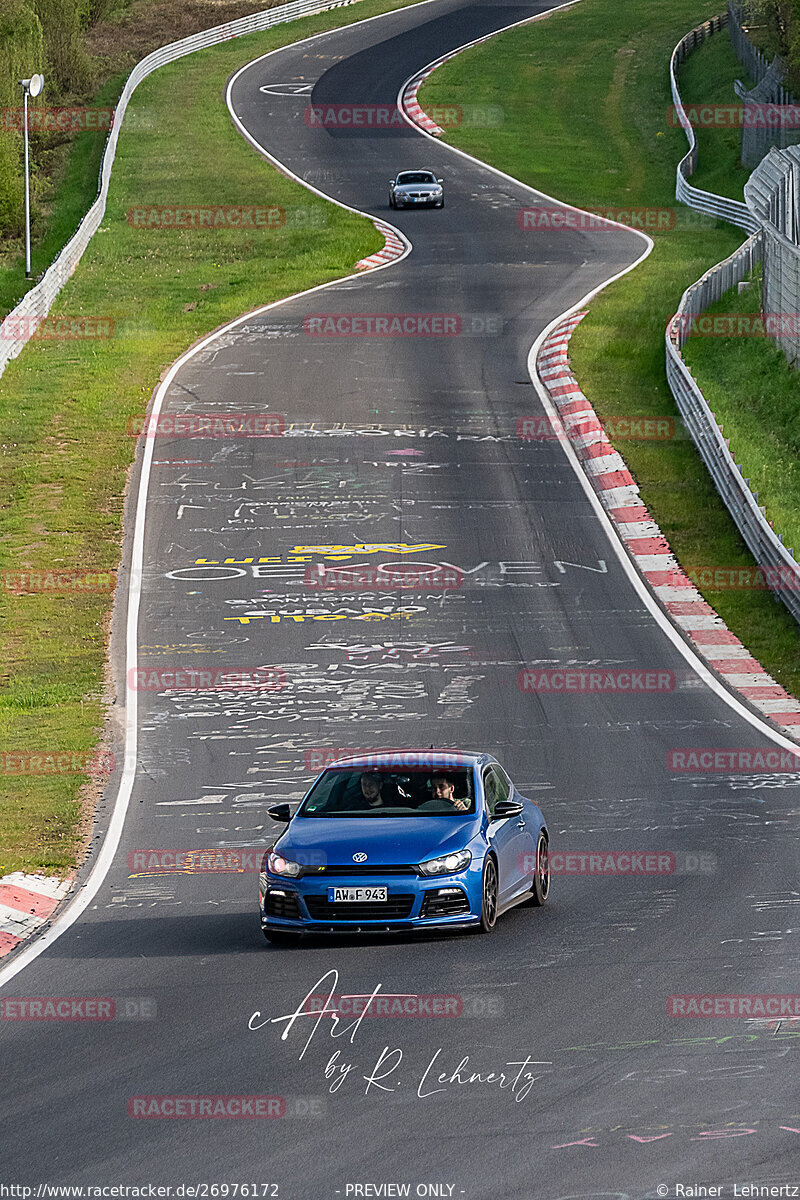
(34, 85)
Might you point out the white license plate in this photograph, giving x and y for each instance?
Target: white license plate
(356, 895)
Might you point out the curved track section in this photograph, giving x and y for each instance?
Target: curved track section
(406, 448)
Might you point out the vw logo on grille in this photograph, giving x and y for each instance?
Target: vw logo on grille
(360, 857)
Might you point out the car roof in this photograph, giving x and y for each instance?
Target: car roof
(394, 759)
(414, 170)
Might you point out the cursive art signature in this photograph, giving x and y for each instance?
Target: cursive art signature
(390, 1070)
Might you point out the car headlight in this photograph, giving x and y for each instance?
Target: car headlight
(437, 191)
(278, 865)
(447, 864)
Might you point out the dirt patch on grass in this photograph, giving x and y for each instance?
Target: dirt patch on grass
(118, 44)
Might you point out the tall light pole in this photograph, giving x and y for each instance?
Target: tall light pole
(30, 87)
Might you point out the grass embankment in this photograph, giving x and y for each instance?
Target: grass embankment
(65, 165)
(64, 406)
(755, 395)
(746, 379)
(586, 99)
(708, 73)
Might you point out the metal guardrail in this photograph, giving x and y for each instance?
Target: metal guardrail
(767, 99)
(706, 202)
(765, 203)
(768, 111)
(20, 324)
(773, 195)
(757, 63)
(782, 573)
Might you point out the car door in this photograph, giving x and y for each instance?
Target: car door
(510, 837)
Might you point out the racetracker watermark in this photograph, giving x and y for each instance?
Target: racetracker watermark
(725, 325)
(386, 1004)
(54, 328)
(624, 863)
(716, 760)
(753, 1005)
(216, 216)
(57, 762)
(316, 758)
(207, 1107)
(200, 679)
(590, 680)
(467, 116)
(21, 583)
(605, 862)
(750, 578)
(387, 576)
(78, 1008)
(208, 425)
(387, 118)
(557, 220)
(57, 120)
(736, 116)
(541, 428)
(355, 116)
(239, 860)
(403, 325)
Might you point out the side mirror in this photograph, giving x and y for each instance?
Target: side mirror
(280, 812)
(507, 808)
(440, 181)
(391, 183)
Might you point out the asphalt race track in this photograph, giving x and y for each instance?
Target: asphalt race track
(408, 445)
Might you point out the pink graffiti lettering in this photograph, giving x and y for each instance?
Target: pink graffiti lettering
(722, 1133)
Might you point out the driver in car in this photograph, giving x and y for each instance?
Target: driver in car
(443, 788)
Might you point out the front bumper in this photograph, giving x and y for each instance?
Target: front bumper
(412, 202)
(444, 901)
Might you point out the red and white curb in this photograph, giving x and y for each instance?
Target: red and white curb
(393, 247)
(418, 115)
(408, 95)
(26, 902)
(411, 103)
(646, 544)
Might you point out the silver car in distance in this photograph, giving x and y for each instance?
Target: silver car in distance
(412, 189)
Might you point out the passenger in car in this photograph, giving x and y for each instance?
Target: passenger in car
(371, 789)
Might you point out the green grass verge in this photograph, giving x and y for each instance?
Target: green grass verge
(64, 406)
(709, 73)
(755, 395)
(586, 97)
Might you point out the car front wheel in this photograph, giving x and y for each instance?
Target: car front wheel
(541, 873)
(489, 897)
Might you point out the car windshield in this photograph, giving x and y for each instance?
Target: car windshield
(415, 177)
(356, 792)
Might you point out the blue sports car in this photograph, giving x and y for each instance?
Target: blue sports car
(403, 840)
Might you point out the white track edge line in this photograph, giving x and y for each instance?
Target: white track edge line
(111, 840)
(75, 906)
(651, 603)
(653, 606)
